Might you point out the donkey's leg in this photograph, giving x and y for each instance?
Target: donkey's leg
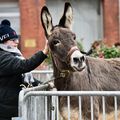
(87, 111)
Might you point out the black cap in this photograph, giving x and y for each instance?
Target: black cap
(6, 32)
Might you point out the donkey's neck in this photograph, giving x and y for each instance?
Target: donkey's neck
(60, 66)
(60, 69)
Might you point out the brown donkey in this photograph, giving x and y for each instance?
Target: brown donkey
(74, 71)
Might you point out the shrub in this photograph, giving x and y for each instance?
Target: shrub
(106, 52)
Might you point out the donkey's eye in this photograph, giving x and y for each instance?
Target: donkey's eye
(56, 42)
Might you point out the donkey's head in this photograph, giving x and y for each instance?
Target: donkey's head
(62, 41)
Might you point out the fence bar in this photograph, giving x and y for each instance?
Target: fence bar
(72, 93)
(42, 71)
(53, 107)
(103, 102)
(24, 110)
(68, 101)
(80, 109)
(35, 112)
(115, 101)
(46, 108)
(57, 107)
(91, 100)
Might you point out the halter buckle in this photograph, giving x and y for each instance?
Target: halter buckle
(64, 73)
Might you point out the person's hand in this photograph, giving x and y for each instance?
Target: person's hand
(46, 49)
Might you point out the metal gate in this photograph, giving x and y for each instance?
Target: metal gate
(44, 105)
(38, 104)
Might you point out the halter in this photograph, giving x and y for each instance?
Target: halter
(74, 48)
(65, 73)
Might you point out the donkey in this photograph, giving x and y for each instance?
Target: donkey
(74, 71)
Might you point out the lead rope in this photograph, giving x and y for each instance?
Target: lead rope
(50, 82)
(24, 86)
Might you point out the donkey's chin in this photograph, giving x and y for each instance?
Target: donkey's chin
(78, 68)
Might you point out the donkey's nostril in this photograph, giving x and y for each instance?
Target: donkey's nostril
(76, 60)
(82, 58)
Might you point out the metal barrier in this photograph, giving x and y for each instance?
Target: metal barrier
(50, 111)
(30, 108)
(37, 104)
(42, 75)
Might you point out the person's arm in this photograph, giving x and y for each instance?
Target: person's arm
(10, 64)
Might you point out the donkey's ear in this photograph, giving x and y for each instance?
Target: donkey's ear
(46, 20)
(67, 18)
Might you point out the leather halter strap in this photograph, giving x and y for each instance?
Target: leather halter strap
(74, 48)
(65, 73)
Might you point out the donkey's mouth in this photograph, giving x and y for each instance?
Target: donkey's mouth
(78, 68)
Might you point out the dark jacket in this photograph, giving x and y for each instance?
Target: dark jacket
(11, 69)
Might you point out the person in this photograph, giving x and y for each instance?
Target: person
(14, 69)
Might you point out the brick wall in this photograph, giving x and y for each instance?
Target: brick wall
(32, 34)
(32, 37)
(111, 21)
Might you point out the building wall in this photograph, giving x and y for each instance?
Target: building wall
(111, 21)
(32, 37)
(9, 9)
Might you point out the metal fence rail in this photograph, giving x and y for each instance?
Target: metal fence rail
(51, 109)
(43, 75)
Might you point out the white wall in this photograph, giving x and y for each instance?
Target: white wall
(88, 24)
(9, 9)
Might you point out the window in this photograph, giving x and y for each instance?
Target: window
(9, 9)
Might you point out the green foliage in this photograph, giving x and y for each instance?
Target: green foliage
(48, 60)
(80, 46)
(112, 52)
(106, 52)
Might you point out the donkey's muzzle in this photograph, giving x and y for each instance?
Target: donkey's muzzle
(77, 61)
